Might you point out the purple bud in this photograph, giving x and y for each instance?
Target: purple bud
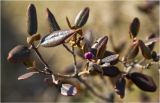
(88, 55)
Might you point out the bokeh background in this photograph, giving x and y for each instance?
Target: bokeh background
(106, 17)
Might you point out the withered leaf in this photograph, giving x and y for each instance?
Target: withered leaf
(56, 38)
(26, 75)
(31, 20)
(120, 87)
(100, 46)
(82, 17)
(134, 27)
(110, 71)
(19, 53)
(133, 51)
(143, 81)
(68, 90)
(146, 52)
(53, 25)
(33, 38)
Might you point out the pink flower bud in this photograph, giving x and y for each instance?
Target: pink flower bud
(88, 55)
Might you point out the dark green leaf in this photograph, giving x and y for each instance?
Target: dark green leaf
(120, 87)
(151, 46)
(146, 52)
(53, 25)
(82, 17)
(110, 71)
(142, 81)
(32, 19)
(134, 27)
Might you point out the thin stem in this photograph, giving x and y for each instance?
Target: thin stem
(92, 90)
(75, 63)
(66, 47)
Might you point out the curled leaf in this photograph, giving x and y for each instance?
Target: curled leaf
(32, 19)
(26, 75)
(56, 38)
(110, 71)
(53, 25)
(143, 81)
(82, 17)
(120, 87)
(152, 44)
(68, 90)
(100, 46)
(134, 27)
(33, 38)
(19, 53)
(145, 50)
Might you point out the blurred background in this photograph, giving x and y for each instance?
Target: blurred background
(106, 18)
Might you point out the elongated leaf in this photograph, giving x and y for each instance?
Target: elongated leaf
(26, 75)
(32, 19)
(19, 53)
(68, 90)
(143, 81)
(110, 71)
(110, 58)
(145, 50)
(100, 46)
(53, 25)
(151, 46)
(133, 51)
(134, 27)
(56, 38)
(82, 17)
(120, 87)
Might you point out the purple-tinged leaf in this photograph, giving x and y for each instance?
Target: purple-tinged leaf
(142, 81)
(26, 75)
(134, 27)
(53, 25)
(110, 71)
(146, 52)
(32, 19)
(20, 53)
(68, 90)
(82, 17)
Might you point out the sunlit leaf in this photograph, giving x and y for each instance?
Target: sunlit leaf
(32, 19)
(33, 38)
(56, 38)
(19, 53)
(143, 81)
(82, 17)
(26, 75)
(146, 52)
(68, 90)
(120, 87)
(110, 58)
(134, 27)
(53, 25)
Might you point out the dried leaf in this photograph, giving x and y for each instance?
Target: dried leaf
(53, 25)
(143, 81)
(68, 90)
(19, 53)
(56, 38)
(120, 87)
(134, 27)
(82, 17)
(145, 50)
(33, 38)
(32, 19)
(110, 71)
(26, 75)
